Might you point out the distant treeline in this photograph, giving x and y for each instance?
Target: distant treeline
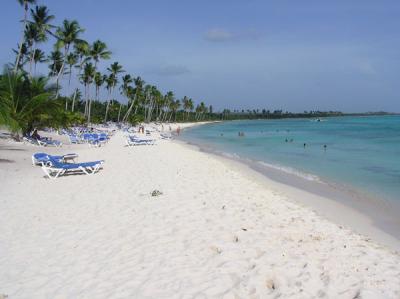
(227, 114)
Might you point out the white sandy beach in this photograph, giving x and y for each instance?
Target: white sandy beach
(215, 232)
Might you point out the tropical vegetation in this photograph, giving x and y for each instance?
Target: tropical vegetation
(29, 100)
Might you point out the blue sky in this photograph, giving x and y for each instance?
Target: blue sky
(290, 55)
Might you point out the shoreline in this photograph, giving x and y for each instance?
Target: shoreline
(214, 230)
(367, 216)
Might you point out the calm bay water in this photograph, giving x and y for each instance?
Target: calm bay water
(361, 152)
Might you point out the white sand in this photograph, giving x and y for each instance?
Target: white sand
(215, 232)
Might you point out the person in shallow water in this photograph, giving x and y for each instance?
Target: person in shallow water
(304, 145)
(325, 147)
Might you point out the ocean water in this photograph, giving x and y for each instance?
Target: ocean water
(362, 154)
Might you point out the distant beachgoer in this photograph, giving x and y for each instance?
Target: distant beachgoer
(35, 135)
(304, 145)
(286, 140)
(178, 130)
(170, 128)
(325, 147)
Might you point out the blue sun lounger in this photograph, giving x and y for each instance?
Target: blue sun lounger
(54, 168)
(39, 158)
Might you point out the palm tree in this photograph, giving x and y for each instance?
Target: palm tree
(99, 51)
(126, 81)
(56, 59)
(66, 35)
(115, 69)
(25, 5)
(41, 19)
(187, 105)
(191, 106)
(26, 102)
(82, 50)
(32, 36)
(166, 103)
(99, 79)
(138, 91)
(23, 52)
(71, 60)
(174, 106)
(38, 57)
(87, 79)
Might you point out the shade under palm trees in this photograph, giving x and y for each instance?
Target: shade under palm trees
(26, 102)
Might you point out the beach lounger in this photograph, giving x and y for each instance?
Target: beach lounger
(133, 140)
(40, 158)
(73, 139)
(48, 142)
(166, 135)
(53, 168)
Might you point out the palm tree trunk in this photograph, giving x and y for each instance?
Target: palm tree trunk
(108, 103)
(89, 103)
(69, 83)
(76, 90)
(22, 38)
(32, 58)
(61, 72)
(119, 111)
(126, 116)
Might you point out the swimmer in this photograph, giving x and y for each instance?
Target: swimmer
(304, 145)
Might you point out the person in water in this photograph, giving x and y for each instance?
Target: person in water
(325, 147)
(304, 145)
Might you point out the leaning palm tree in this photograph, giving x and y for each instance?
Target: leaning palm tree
(126, 81)
(138, 91)
(23, 52)
(26, 102)
(25, 4)
(41, 19)
(66, 35)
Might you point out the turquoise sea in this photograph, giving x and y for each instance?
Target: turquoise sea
(361, 153)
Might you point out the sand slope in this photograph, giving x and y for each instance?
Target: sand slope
(213, 233)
